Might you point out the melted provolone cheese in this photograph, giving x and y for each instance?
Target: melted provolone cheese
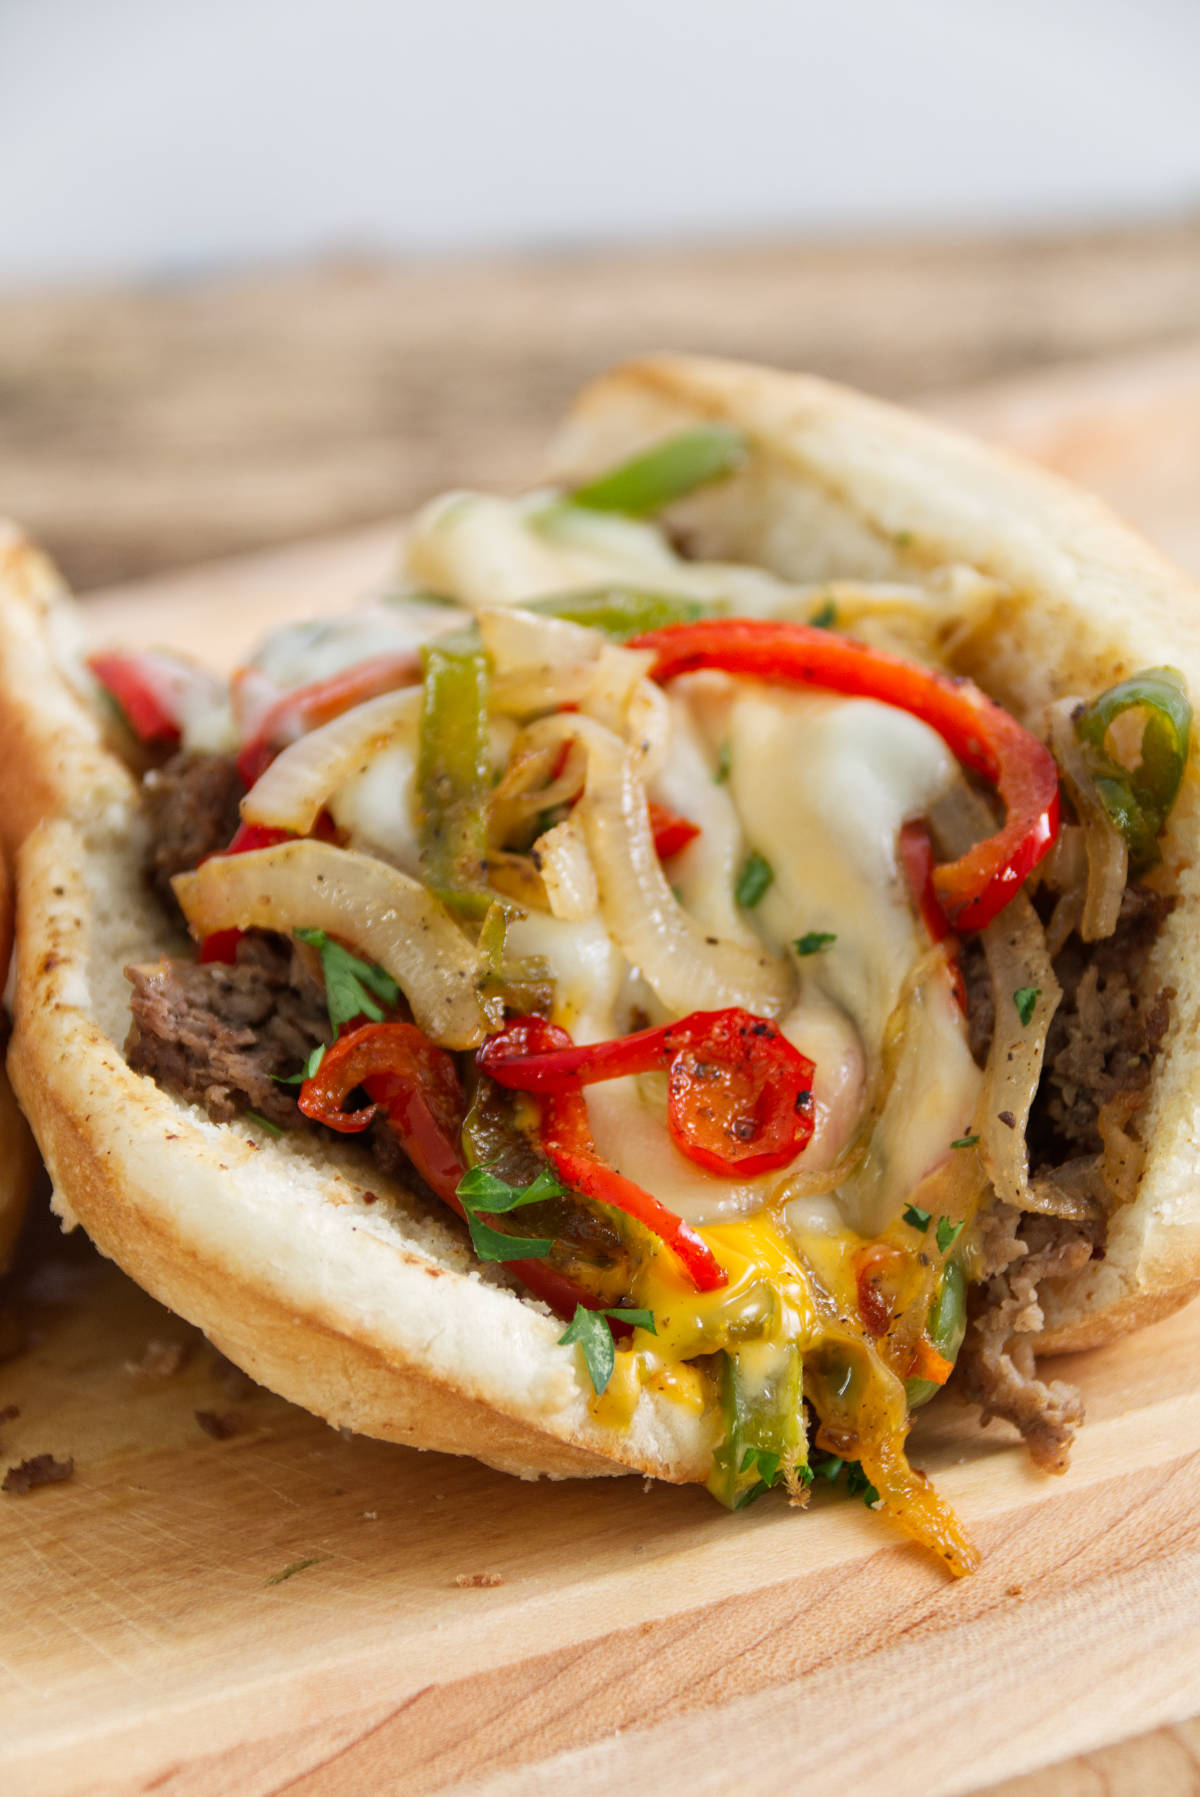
(376, 808)
(823, 785)
(819, 786)
(303, 653)
(487, 552)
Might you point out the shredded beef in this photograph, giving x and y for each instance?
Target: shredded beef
(1105, 1034)
(996, 1367)
(220, 1035)
(191, 807)
(1099, 1054)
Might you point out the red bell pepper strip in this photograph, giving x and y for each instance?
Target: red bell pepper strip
(671, 832)
(131, 681)
(416, 1086)
(916, 858)
(988, 742)
(567, 1140)
(739, 1094)
(302, 709)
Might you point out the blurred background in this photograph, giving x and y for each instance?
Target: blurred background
(275, 268)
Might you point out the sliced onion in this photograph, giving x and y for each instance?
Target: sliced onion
(560, 856)
(520, 641)
(1065, 919)
(537, 664)
(524, 692)
(527, 787)
(685, 968)
(1017, 958)
(515, 877)
(382, 914)
(302, 778)
(1107, 851)
(1070, 1191)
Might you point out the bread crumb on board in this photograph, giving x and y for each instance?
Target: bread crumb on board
(42, 1469)
(476, 1581)
(221, 1425)
(160, 1360)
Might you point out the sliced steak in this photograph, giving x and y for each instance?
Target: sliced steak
(191, 806)
(1099, 1054)
(1105, 1033)
(219, 1036)
(996, 1367)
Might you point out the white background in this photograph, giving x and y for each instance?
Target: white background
(158, 136)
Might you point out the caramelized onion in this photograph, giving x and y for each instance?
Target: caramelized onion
(1017, 959)
(1107, 850)
(685, 968)
(543, 771)
(560, 856)
(540, 664)
(297, 784)
(381, 913)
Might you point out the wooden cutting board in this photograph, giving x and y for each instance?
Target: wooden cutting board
(261, 1605)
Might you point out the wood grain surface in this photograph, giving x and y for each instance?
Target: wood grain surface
(143, 430)
(287, 1610)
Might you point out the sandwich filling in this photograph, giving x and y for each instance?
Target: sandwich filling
(735, 972)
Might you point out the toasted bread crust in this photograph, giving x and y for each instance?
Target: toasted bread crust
(18, 1153)
(372, 1317)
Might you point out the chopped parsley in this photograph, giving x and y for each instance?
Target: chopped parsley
(289, 1572)
(261, 1122)
(352, 986)
(764, 1462)
(828, 1466)
(965, 1142)
(947, 1234)
(753, 881)
(824, 617)
(483, 1191)
(590, 1330)
(306, 1072)
(1025, 998)
(723, 765)
(917, 1218)
(814, 942)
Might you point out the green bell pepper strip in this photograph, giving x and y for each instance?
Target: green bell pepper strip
(454, 775)
(947, 1326)
(620, 612)
(764, 1429)
(1139, 799)
(648, 482)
